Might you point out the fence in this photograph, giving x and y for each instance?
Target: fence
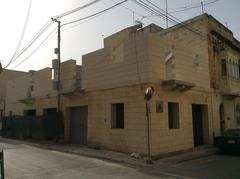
(46, 127)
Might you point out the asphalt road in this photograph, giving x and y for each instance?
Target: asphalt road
(213, 167)
(22, 161)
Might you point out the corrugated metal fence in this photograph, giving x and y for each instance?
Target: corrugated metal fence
(46, 127)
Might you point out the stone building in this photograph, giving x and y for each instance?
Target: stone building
(33, 93)
(193, 68)
(5, 76)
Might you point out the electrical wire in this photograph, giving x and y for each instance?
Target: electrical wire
(46, 39)
(22, 34)
(178, 21)
(75, 10)
(193, 7)
(95, 14)
(34, 39)
(79, 23)
(46, 26)
(139, 14)
(87, 18)
(152, 8)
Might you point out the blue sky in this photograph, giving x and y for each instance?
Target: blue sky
(83, 38)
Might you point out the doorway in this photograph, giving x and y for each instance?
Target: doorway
(78, 125)
(200, 124)
(222, 118)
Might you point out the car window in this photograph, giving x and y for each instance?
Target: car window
(232, 133)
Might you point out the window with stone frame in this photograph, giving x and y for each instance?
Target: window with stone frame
(117, 116)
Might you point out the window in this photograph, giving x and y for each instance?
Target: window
(173, 115)
(117, 110)
(239, 68)
(238, 113)
(235, 70)
(31, 112)
(224, 67)
(231, 68)
(47, 111)
(1, 114)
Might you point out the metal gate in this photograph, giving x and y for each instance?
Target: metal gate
(78, 124)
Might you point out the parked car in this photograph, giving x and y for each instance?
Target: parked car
(229, 142)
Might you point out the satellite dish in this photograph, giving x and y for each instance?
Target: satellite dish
(149, 93)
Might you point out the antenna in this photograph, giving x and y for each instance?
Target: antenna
(226, 24)
(166, 13)
(138, 25)
(202, 7)
(133, 17)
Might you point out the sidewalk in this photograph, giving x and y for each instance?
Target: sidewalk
(200, 152)
(116, 156)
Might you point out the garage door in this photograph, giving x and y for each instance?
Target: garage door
(78, 125)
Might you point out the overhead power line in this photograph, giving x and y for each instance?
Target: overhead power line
(52, 33)
(75, 10)
(34, 39)
(22, 34)
(135, 12)
(45, 27)
(193, 7)
(46, 39)
(95, 14)
(178, 21)
(154, 9)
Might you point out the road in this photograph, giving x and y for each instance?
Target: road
(212, 167)
(22, 161)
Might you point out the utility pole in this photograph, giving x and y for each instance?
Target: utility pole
(166, 13)
(59, 66)
(58, 52)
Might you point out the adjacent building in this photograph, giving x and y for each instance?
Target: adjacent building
(33, 94)
(5, 76)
